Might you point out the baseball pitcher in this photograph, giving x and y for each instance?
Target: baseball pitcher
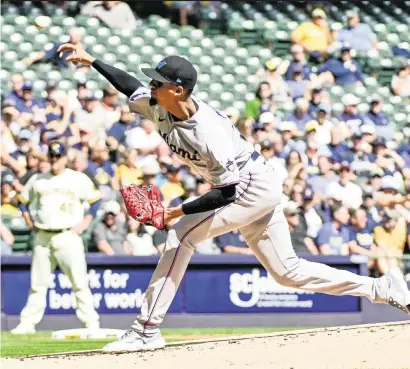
(52, 204)
(246, 195)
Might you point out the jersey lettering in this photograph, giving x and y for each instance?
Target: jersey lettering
(180, 151)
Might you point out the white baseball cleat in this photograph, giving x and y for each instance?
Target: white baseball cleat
(399, 294)
(23, 329)
(132, 340)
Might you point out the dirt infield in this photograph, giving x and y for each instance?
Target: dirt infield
(360, 347)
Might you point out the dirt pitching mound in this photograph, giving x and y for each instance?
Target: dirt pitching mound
(367, 346)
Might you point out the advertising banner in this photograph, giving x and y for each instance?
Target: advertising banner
(229, 288)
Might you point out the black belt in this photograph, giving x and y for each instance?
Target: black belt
(55, 230)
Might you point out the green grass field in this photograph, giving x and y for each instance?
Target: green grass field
(41, 343)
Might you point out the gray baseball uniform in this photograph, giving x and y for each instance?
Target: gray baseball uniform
(214, 148)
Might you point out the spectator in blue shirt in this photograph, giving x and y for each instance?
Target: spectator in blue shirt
(300, 116)
(359, 35)
(51, 55)
(28, 104)
(320, 181)
(233, 243)
(377, 117)
(119, 130)
(341, 152)
(297, 85)
(102, 169)
(16, 93)
(361, 241)
(299, 60)
(333, 237)
(342, 71)
(351, 115)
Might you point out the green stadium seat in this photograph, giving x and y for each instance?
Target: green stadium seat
(170, 50)
(137, 42)
(218, 55)
(203, 95)
(183, 45)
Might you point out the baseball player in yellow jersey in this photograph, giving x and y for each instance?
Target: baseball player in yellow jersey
(52, 204)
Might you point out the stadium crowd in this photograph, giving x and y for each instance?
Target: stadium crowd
(346, 178)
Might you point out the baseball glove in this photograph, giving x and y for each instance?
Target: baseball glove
(143, 203)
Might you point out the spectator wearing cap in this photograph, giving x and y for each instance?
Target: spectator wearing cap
(145, 139)
(300, 116)
(343, 71)
(53, 56)
(16, 93)
(359, 35)
(325, 125)
(362, 157)
(287, 131)
(139, 240)
(298, 86)
(340, 151)
(24, 145)
(314, 218)
(377, 117)
(91, 118)
(404, 151)
(391, 235)
(9, 200)
(274, 69)
(298, 60)
(189, 184)
(27, 104)
(110, 234)
(361, 242)
(173, 188)
(267, 122)
(387, 159)
(312, 159)
(320, 181)
(233, 243)
(318, 97)
(109, 106)
(388, 196)
(267, 151)
(368, 133)
(351, 115)
(372, 211)
(102, 168)
(114, 14)
(298, 230)
(333, 237)
(314, 36)
(349, 192)
(150, 171)
(400, 83)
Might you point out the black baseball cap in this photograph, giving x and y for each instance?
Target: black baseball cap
(56, 149)
(173, 69)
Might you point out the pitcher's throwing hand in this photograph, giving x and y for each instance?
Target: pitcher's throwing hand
(78, 56)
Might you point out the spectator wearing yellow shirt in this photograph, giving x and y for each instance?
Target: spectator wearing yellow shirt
(314, 36)
(391, 233)
(173, 188)
(127, 172)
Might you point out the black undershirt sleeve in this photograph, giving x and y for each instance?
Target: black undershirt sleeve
(122, 81)
(214, 199)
